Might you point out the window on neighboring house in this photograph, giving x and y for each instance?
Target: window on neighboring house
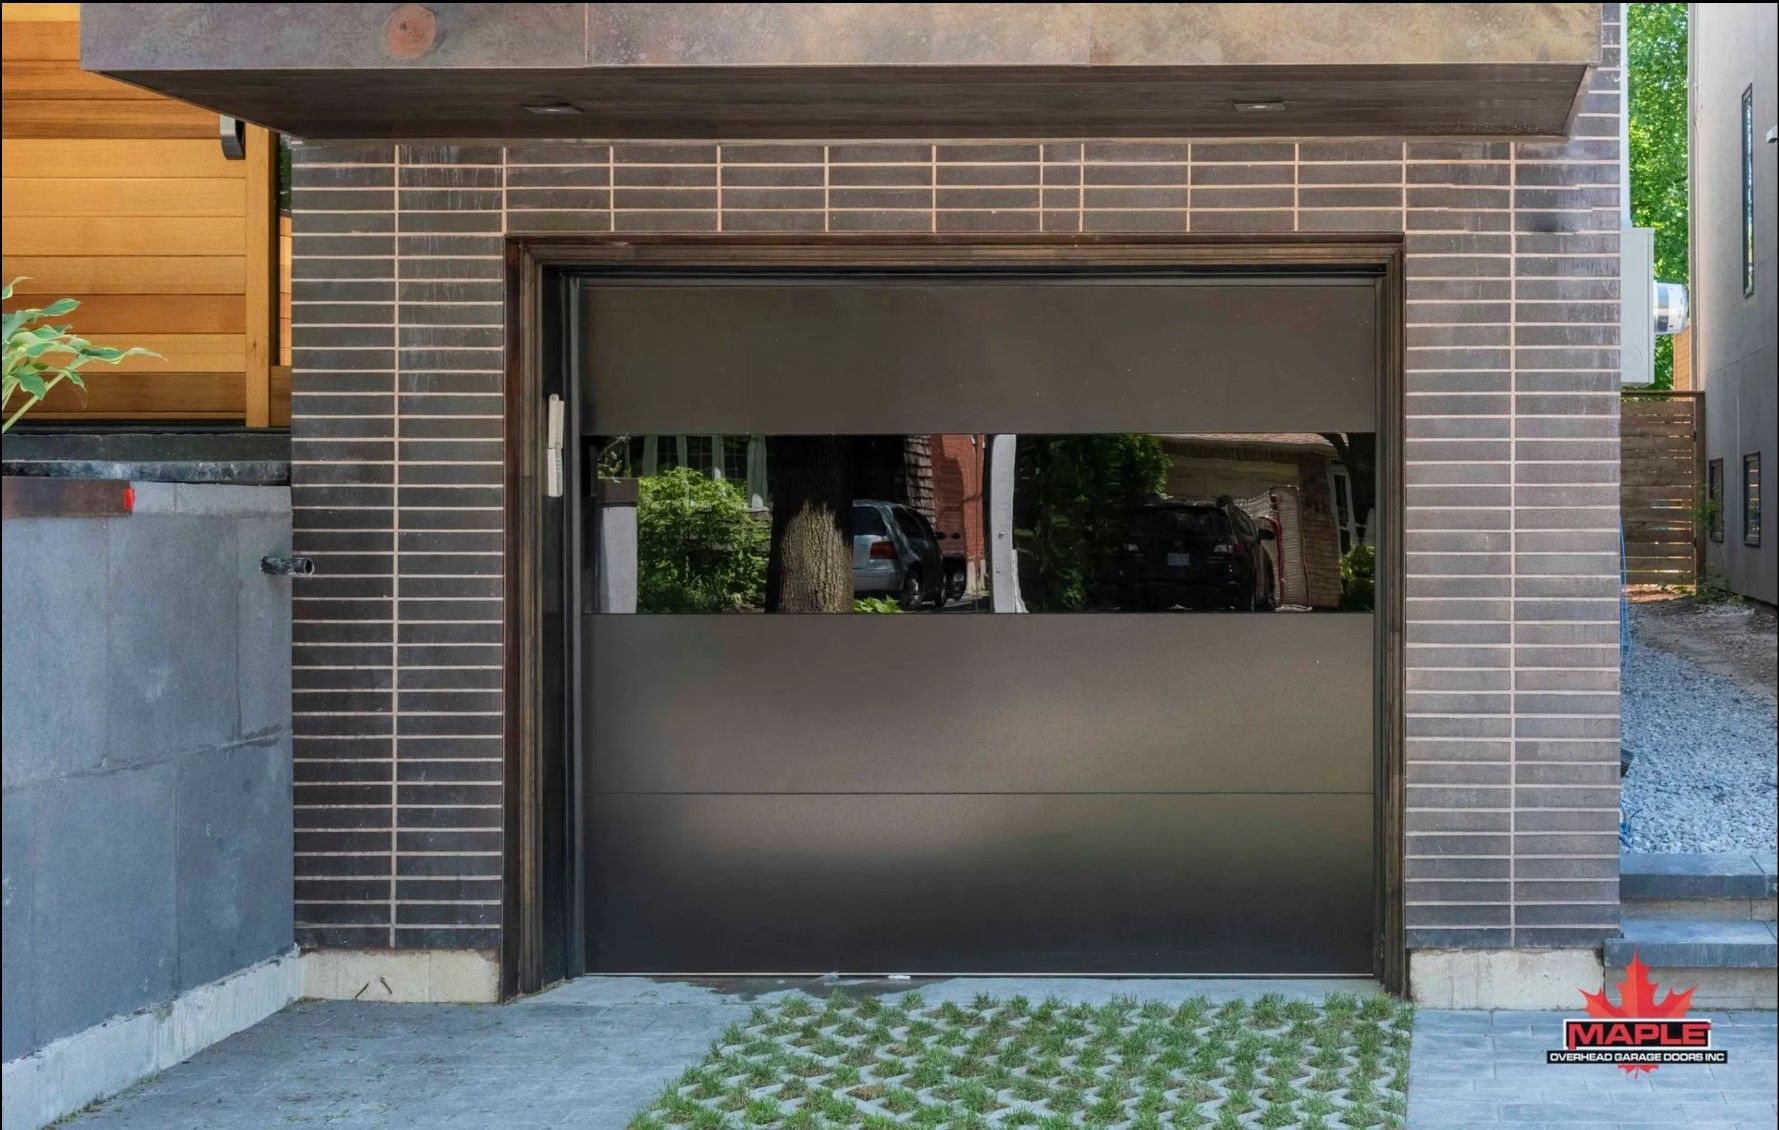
(700, 454)
(1345, 521)
(1748, 191)
(1714, 499)
(1751, 499)
(735, 458)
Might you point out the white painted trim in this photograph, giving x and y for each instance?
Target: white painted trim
(66, 1074)
(438, 976)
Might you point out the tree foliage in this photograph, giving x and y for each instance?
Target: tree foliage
(1656, 68)
(1072, 499)
(698, 549)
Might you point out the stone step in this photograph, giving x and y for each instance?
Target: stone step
(1694, 943)
(1728, 964)
(1690, 886)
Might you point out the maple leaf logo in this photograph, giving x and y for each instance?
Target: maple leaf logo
(1636, 996)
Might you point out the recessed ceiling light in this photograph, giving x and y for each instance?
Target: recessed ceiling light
(1259, 107)
(554, 109)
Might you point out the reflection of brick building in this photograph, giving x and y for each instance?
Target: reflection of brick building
(939, 475)
(957, 462)
(1293, 475)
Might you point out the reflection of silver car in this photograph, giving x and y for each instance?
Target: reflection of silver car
(896, 553)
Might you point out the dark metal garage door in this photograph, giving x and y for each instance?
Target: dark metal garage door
(1130, 729)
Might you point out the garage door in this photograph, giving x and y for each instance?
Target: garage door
(1067, 717)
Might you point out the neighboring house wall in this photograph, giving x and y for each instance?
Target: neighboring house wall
(1512, 463)
(1735, 360)
(147, 768)
(958, 500)
(123, 199)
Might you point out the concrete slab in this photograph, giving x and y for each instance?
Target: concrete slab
(17, 952)
(233, 858)
(104, 945)
(171, 675)
(263, 647)
(56, 635)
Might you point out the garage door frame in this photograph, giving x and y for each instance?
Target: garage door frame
(538, 846)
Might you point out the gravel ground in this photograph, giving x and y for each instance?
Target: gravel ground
(1704, 741)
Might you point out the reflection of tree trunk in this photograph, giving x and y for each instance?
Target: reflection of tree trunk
(809, 568)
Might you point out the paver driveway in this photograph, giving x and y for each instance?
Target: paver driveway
(595, 1052)
(592, 1053)
(1479, 1070)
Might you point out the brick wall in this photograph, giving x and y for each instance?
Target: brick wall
(1512, 469)
(1321, 537)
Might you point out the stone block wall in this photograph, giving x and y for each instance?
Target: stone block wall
(146, 753)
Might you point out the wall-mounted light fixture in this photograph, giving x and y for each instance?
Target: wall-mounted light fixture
(1260, 106)
(552, 109)
(232, 132)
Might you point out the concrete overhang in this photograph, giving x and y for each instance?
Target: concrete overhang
(860, 70)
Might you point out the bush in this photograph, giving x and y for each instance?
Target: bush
(698, 547)
(875, 605)
(1358, 578)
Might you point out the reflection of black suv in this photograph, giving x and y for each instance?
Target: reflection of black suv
(1195, 555)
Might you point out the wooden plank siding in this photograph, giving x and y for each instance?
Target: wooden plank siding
(1662, 443)
(123, 199)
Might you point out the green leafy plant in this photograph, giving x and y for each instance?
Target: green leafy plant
(1358, 578)
(1713, 588)
(1655, 69)
(41, 356)
(1707, 516)
(698, 548)
(876, 605)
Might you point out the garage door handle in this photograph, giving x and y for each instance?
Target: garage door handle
(553, 449)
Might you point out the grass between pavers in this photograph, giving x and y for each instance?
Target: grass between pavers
(886, 1062)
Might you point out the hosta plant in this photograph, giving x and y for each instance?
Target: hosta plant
(40, 356)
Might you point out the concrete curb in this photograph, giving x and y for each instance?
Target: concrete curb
(66, 1074)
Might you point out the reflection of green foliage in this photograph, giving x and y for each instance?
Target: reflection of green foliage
(875, 604)
(1655, 40)
(698, 549)
(1073, 497)
(1358, 578)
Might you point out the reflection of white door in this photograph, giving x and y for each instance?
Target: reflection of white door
(1294, 581)
(1003, 561)
(1340, 486)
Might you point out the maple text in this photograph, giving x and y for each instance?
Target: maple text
(1637, 1033)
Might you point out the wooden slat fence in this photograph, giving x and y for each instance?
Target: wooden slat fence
(123, 199)
(1661, 477)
